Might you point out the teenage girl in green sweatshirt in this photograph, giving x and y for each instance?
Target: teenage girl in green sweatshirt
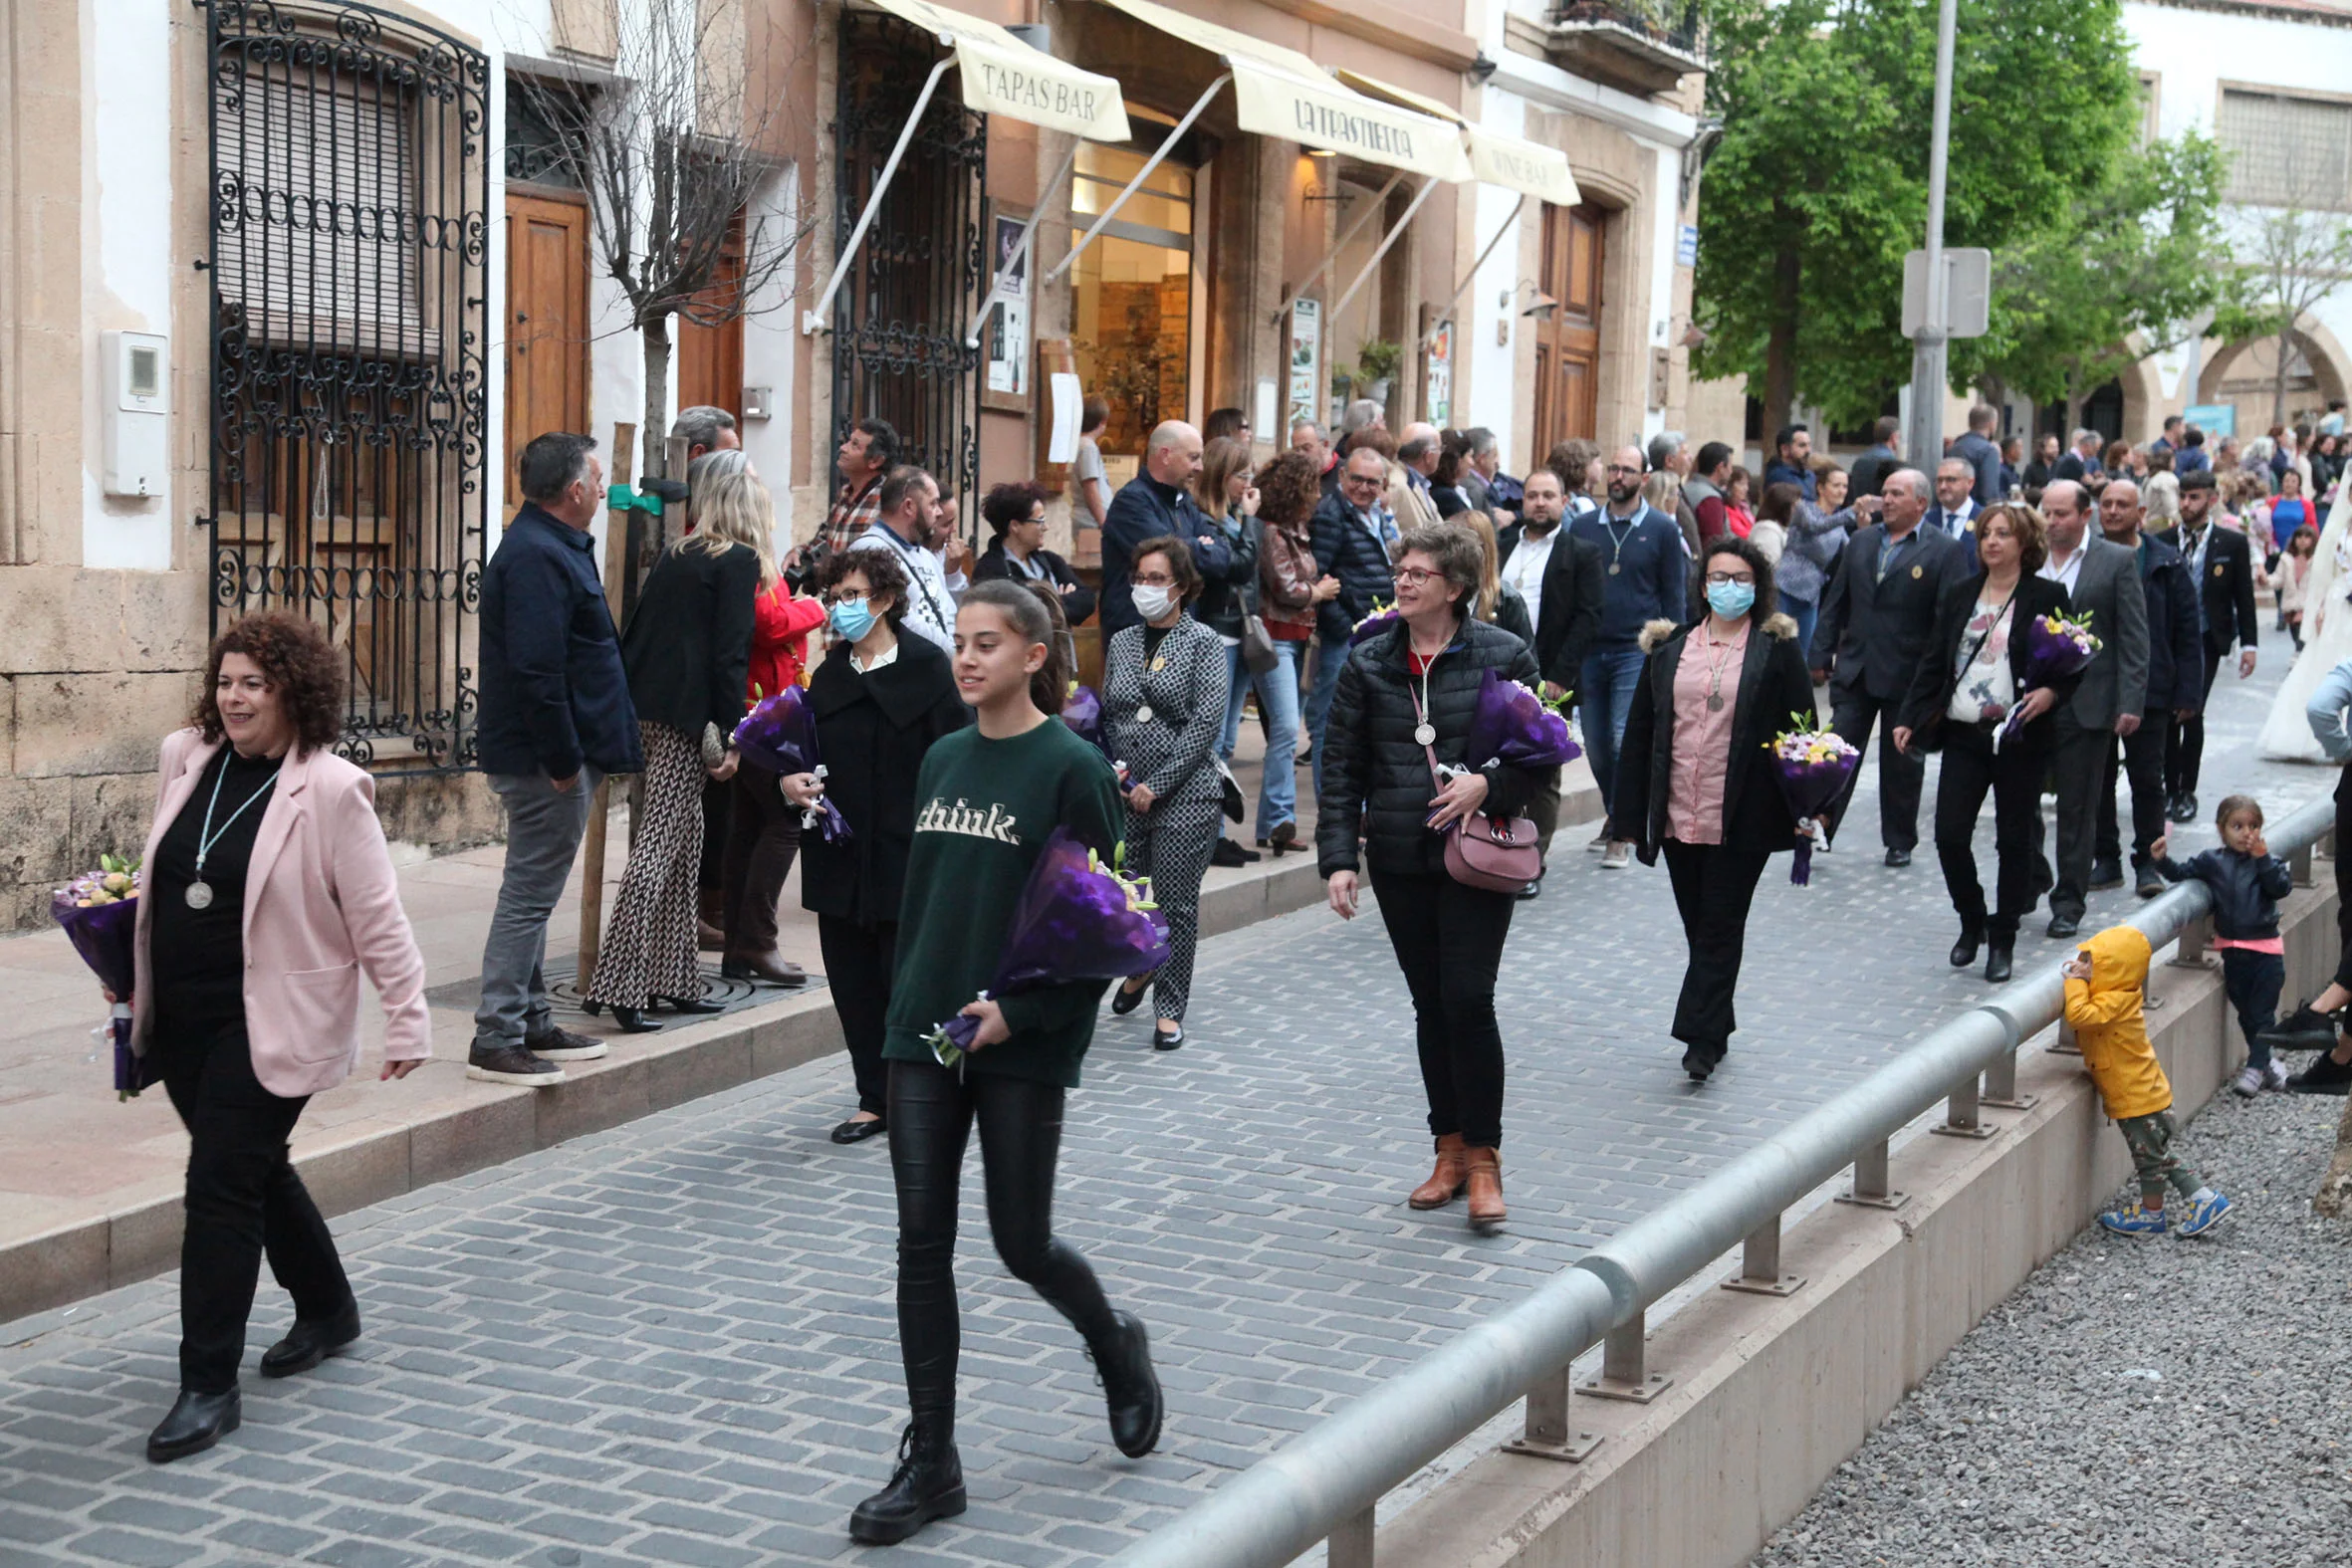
(986, 799)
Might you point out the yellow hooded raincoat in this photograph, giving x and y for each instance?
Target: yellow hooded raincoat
(2112, 1030)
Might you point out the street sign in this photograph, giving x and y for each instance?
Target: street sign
(1967, 292)
(2215, 419)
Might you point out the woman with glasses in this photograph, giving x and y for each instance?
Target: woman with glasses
(880, 700)
(1398, 776)
(1163, 705)
(1695, 780)
(1971, 675)
(1017, 513)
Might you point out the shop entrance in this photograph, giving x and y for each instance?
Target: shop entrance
(1134, 293)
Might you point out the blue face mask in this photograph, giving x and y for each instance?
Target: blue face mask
(1731, 600)
(852, 619)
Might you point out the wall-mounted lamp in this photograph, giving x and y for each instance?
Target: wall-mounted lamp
(1540, 306)
(1321, 188)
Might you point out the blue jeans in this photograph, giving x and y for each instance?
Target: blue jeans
(1328, 662)
(1808, 614)
(1237, 690)
(1278, 699)
(1610, 677)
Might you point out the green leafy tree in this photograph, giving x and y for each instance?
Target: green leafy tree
(1819, 184)
(2138, 265)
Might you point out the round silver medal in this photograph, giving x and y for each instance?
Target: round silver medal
(199, 895)
(1425, 734)
(1714, 702)
(1143, 714)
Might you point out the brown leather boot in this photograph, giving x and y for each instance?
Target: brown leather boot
(1486, 1189)
(709, 919)
(1445, 1182)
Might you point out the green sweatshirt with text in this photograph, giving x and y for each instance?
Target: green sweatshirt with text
(983, 811)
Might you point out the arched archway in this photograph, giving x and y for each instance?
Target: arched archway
(2225, 377)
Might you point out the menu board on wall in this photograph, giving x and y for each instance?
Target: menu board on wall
(1440, 398)
(1306, 341)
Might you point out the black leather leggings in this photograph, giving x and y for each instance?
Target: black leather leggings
(931, 1115)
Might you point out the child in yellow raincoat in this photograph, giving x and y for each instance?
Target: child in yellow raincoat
(2107, 983)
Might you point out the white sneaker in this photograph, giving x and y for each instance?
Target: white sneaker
(1614, 857)
(2274, 1075)
(2247, 1083)
(1600, 841)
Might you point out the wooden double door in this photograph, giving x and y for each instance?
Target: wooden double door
(546, 325)
(1568, 346)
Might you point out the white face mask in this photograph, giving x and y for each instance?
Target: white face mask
(1153, 601)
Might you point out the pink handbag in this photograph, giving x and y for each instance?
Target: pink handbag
(1498, 854)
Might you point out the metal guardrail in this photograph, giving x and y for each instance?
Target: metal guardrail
(1325, 1484)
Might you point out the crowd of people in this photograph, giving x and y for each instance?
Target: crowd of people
(1364, 592)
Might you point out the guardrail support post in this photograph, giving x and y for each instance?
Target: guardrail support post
(1624, 1373)
(1350, 1545)
(1962, 1116)
(2065, 1045)
(2325, 844)
(2300, 860)
(2194, 937)
(1870, 1189)
(1549, 1435)
(1760, 1264)
(2001, 1085)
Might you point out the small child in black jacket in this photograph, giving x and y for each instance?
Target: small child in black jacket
(2246, 881)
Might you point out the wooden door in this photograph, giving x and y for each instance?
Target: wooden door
(547, 356)
(1568, 346)
(710, 358)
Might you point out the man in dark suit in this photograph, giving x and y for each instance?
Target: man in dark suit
(2175, 690)
(2222, 562)
(1872, 467)
(1876, 621)
(1560, 579)
(2081, 463)
(1976, 448)
(1355, 539)
(1956, 508)
(2103, 582)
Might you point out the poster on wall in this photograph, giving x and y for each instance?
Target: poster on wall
(1306, 341)
(1441, 376)
(1007, 337)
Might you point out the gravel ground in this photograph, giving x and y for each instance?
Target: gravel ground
(2137, 1402)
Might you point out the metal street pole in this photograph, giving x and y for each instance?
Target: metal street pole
(1925, 442)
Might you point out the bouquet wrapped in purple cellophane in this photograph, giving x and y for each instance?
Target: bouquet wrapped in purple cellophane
(1513, 724)
(1082, 710)
(100, 913)
(2056, 648)
(1382, 617)
(1812, 765)
(780, 735)
(1077, 919)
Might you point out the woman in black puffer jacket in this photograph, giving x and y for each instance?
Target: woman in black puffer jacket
(1448, 936)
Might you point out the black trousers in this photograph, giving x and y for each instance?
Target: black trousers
(1448, 939)
(2146, 754)
(2184, 749)
(763, 839)
(243, 1200)
(2079, 767)
(931, 1113)
(2013, 777)
(858, 961)
(1900, 777)
(1713, 889)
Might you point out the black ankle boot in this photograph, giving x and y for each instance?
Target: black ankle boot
(308, 1343)
(197, 1422)
(1964, 952)
(928, 1484)
(1997, 960)
(1129, 1387)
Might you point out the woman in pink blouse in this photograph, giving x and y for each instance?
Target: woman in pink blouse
(1695, 781)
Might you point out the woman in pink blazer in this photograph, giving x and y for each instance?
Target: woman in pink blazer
(267, 890)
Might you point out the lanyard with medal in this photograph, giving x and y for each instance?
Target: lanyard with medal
(200, 891)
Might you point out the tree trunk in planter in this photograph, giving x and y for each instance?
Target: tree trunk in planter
(2335, 1189)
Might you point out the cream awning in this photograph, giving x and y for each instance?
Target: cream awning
(1281, 92)
(1526, 167)
(1004, 75)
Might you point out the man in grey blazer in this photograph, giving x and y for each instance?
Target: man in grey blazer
(1877, 618)
(2102, 579)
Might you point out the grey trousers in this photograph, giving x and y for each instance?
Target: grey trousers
(543, 832)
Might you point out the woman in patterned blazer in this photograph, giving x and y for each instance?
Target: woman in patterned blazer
(1164, 689)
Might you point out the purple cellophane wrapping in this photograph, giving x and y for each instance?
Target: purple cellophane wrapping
(2050, 657)
(1811, 789)
(1513, 724)
(104, 936)
(780, 735)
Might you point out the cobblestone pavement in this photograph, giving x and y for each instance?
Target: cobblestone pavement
(674, 1343)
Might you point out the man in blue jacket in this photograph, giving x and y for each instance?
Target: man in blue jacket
(1157, 503)
(1646, 576)
(2176, 692)
(1355, 539)
(555, 719)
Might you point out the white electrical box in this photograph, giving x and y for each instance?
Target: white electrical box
(135, 412)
